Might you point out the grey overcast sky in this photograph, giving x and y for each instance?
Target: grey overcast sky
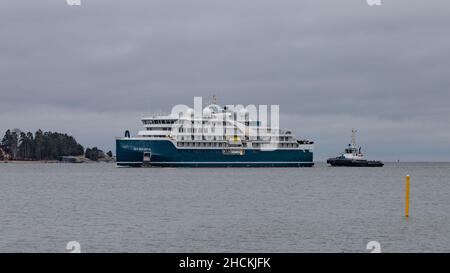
(94, 70)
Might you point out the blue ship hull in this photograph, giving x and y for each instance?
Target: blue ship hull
(130, 153)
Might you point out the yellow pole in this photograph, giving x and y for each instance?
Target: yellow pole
(408, 179)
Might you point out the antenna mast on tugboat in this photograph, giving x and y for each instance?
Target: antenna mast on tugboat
(354, 138)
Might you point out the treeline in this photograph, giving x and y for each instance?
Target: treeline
(18, 145)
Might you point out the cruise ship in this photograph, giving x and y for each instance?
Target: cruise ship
(217, 137)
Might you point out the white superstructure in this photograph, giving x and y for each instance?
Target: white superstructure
(219, 127)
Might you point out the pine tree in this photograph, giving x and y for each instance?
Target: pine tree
(6, 146)
(38, 145)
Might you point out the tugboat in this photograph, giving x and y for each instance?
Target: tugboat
(353, 157)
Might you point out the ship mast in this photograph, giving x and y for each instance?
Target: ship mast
(354, 138)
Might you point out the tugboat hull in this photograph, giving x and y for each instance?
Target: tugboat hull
(337, 162)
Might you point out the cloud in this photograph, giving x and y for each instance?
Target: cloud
(331, 65)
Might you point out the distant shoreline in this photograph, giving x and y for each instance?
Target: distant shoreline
(28, 161)
(51, 162)
(19, 147)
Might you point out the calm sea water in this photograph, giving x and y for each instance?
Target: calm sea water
(320, 209)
